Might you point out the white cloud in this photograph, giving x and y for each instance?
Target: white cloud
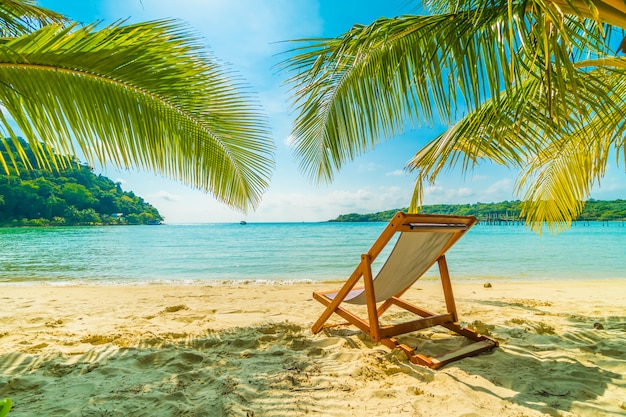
(442, 194)
(465, 192)
(436, 194)
(322, 206)
(369, 167)
(164, 195)
(396, 173)
(478, 177)
(120, 180)
(504, 186)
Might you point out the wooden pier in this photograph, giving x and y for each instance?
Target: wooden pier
(506, 219)
(499, 219)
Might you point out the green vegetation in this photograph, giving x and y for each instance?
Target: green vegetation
(594, 210)
(72, 196)
(534, 85)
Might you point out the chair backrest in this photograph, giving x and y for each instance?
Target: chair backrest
(414, 253)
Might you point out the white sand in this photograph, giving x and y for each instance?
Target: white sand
(246, 350)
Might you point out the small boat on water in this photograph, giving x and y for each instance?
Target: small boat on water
(243, 222)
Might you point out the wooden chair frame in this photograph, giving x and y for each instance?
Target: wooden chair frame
(406, 223)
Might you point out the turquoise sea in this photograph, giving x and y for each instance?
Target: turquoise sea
(291, 252)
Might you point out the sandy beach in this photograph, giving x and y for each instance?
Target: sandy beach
(246, 349)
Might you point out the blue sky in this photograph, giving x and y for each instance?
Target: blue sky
(249, 35)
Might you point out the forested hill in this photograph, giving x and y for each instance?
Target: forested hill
(595, 210)
(73, 196)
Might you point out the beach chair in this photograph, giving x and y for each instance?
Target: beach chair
(422, 241)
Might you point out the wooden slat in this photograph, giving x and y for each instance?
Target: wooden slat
(410, 307)
(437, 227)
(463, 352)
(330, 309)
(414, 325)
(350, 317)
(439, 361)
(387, 234)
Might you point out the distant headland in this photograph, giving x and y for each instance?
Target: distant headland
(504, 212)
(70, 196)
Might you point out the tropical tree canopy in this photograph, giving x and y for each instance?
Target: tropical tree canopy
(132, 95)
(532, 85)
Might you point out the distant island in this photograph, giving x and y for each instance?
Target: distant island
(505, 211)
(68, 197)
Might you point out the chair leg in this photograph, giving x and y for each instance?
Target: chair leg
(332, 305)
(447, 286)
(370, 296)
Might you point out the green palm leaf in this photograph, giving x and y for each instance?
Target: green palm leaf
(20, 17)
(374, 81)
(139, 95)
(558, 180)
(559, 162)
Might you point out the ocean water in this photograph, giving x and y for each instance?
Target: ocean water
(291, 252)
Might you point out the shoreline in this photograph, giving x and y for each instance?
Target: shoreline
(280, 282)
(246, 349)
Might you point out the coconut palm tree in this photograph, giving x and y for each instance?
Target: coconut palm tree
(130, 95)
(532, 85)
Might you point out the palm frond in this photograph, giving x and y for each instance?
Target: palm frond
(612, 12)
(558, 180)
(139, 95)
(559, 162)
(371, 83)
(556, 183)
(20, 17)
